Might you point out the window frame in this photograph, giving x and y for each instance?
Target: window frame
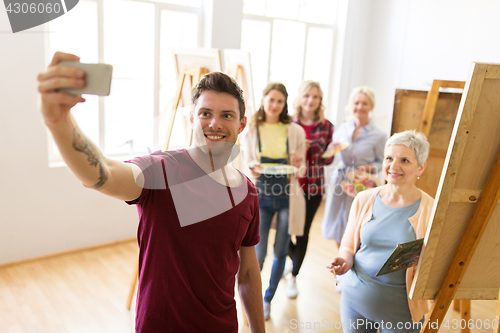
(327, 95)
(55, 159)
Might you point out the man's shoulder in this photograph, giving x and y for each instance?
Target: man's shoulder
(158, 157)
(244, 180)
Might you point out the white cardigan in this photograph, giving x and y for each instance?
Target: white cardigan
(296, 141)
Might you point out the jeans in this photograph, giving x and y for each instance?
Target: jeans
(268, 206)
(297, 251)
(353, 322)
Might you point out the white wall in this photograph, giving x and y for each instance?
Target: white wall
(42, 210)
(409, 43)
(46, 210)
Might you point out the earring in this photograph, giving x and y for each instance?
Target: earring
(418, 177)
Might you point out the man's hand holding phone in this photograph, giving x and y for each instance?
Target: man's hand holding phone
(56, 105)
(65, 80)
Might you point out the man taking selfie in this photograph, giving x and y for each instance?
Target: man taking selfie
(198, 216)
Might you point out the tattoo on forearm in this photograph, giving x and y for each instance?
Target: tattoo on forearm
(95, 158)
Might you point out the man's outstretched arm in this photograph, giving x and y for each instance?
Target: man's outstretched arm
(250, 288)
(83, 157)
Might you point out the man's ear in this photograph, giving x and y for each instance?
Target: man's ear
(243, 124)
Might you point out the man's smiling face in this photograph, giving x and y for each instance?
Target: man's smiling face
(216, 121)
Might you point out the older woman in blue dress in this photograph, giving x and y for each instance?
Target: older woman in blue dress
(379, 219)
(364, 153)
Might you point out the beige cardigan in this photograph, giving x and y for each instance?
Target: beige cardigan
(361, 212)
(296, 141)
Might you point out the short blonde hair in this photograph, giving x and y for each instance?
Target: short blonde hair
(411, 139)
(319, 113)
(359, 90)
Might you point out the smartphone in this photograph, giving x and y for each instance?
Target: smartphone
(97, 78)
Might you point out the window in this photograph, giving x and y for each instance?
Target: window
(289, 41)
(138, 43)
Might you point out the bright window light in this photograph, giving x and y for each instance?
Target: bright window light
(129, 46)
(254, 7)
(319, 56)
(318, 11)
(81, 22)
(186, 36)
(287, 54)
(284, 9)
(256, 39)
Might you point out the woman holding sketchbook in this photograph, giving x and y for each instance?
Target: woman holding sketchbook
(379, 219)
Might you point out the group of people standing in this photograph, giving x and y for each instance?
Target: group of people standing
(301, 140)
(203, 225)
(397, 212)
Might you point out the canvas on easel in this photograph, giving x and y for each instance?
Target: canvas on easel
(191, 65)
(433, 113)
(461, 254)
(237, 64)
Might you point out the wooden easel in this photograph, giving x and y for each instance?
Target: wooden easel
(462, 306)
(431, 102)
(237, 73)
(409, 106)
(471, 176)
(486, 204)
(194, 74)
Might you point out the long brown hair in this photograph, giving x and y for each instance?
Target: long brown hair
(260, 116)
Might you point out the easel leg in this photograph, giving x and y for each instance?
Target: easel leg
(171, 119)
(456, 305)
(464, 308)
(486, 204)
(132, 288)
(497, 317)
(465, 314)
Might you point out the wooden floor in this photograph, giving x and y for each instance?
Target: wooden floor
(87, 292)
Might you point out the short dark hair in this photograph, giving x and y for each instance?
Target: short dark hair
(220, 82)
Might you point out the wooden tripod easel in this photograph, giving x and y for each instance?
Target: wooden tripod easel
(463, 306)
(457, 260)
(237, 73)
(486, 204)
(431, 102)
(194, 74)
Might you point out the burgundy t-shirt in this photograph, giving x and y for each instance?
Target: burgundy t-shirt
(190, 231)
